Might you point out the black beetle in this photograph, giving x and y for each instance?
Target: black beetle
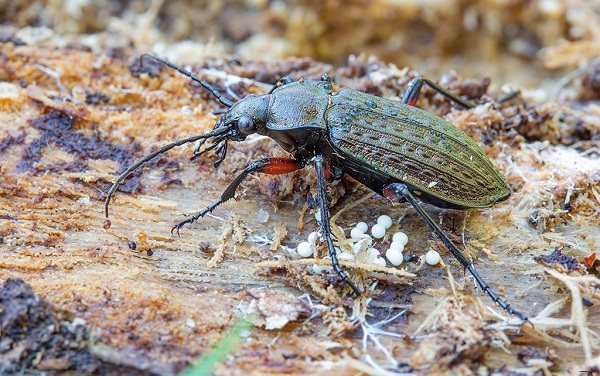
(394, 148)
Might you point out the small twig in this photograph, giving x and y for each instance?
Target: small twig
(351, 206)
(430, 318)
(577, 313)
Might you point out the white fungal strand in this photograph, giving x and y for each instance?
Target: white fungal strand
(432, 257)
(378, 231)
(385, 221)
(362, 226)
(400, 237)
(304, 249)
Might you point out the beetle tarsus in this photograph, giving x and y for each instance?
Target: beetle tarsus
(176, 229)
(411, 95)
(197, 216)
(325, 224)
(396, 190)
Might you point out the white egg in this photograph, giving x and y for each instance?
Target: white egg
(313, 236)
(400, 237)
(432, 257)
(304, 249)
(362, 226)
(378, 231)
(318, 215)
(372, 254)
(395, 256)
(385, 221)
(379, 261)
(318, 269)
(356, 232)
(397, 246)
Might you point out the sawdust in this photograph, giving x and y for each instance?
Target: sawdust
(62, 146)
(274, 309)
(455, 336)
(35, 335)
(235, 228)
(337, 321)
(281, 233)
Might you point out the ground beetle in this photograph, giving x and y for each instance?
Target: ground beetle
(394, 148)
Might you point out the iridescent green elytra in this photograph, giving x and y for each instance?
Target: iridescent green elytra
(422, 150)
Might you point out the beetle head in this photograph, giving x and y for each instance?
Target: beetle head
(245, 117)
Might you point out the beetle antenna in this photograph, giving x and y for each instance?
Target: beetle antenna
(149, 157)
(224, 101)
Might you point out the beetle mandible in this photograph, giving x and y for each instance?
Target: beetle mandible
(394, 148)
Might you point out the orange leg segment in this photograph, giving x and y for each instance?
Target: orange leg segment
(278, 166)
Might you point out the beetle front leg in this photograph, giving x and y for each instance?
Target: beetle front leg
(319, 168)
(411, 95)
(268, 165)
(397, 191)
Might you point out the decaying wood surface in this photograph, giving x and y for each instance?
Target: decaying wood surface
(71, 120)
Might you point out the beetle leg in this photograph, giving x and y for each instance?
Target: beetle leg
(396, 191)
(267, 165)
(325, 223)
(411, 95)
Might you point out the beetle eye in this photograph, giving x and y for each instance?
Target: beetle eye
(246, 125)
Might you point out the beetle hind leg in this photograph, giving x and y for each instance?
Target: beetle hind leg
(320, 169)
(397, 191)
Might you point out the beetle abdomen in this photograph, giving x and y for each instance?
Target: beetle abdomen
(415, 147)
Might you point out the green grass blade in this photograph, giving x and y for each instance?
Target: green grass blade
(208, 362)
